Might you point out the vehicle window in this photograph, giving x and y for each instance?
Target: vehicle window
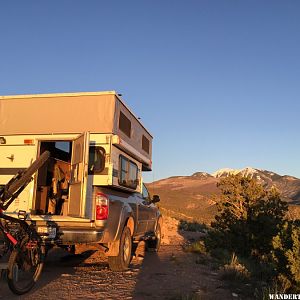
(145, 144)
(96, 160)
(132, 175)
(145, 193)
(128, 173)
(1, 188)
(124, 124)
(123, 170)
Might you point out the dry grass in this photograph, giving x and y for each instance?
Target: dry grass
(235, 270)
(192, 226)
(196, 247)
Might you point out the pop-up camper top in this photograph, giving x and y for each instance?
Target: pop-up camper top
(94, 141)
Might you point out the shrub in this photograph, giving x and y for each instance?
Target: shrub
(248, 217)
(196, 247)
(252, 223)
(235, 270)
(286, 255)
(191, 226)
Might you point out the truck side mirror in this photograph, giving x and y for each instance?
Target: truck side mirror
(155, 199)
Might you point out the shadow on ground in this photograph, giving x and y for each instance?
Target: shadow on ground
(58, 263)
(175, 274)
(169, 274)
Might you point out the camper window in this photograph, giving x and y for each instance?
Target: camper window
(132, 175)
(96, 160)
(125, 124)
(123, 170)
(128, 175)
(145, 144)
(1, 188)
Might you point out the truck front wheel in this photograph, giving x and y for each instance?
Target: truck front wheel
(122, 261)
(154, 244)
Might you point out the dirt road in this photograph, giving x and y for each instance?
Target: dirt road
(169, 274)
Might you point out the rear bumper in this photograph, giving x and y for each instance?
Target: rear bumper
(70, 235)
(74, 236)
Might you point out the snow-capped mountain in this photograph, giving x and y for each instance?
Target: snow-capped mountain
(197, 194)
(260, 175)
(289, 186)
(248, 171)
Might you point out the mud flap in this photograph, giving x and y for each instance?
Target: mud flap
(113, 248)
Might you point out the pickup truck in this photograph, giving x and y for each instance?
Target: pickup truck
(132, 217)
(91, 190)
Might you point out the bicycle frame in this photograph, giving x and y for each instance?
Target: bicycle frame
(7, 197)
(6, 232)
(23, 223)
(25, 246)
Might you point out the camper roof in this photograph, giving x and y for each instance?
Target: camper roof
(76, 94)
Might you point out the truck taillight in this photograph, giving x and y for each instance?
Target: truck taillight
(101, 206)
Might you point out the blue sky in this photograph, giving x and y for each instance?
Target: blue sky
(216, 82)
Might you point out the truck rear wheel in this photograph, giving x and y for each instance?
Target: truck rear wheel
(122, 261)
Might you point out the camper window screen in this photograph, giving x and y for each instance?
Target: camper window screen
(145, 144)
(125, 124)
(128, 173)
(96, 160)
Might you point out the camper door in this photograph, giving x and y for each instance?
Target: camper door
(79, 171)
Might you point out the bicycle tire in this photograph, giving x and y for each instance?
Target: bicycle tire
(16, 261)
(26, 176)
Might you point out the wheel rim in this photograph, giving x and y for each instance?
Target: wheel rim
(24, 274)
(158, 237)
(15, 273)
(26, 268)
(126, 249)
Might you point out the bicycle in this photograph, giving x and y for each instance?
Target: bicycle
(21, 240)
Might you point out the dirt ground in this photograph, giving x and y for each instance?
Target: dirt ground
(169, 274)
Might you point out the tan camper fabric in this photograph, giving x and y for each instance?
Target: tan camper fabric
(97, 112)
(65, 114)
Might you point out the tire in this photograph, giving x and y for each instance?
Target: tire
(26, 176)
(25, 266)
(154, 245)
(122, 261)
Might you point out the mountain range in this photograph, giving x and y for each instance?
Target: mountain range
(195, 196)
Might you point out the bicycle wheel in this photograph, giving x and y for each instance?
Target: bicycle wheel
(26, 176)
(25, 265)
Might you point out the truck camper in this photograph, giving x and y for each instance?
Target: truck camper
(91, 189)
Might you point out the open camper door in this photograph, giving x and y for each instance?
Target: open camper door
(79, 171)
